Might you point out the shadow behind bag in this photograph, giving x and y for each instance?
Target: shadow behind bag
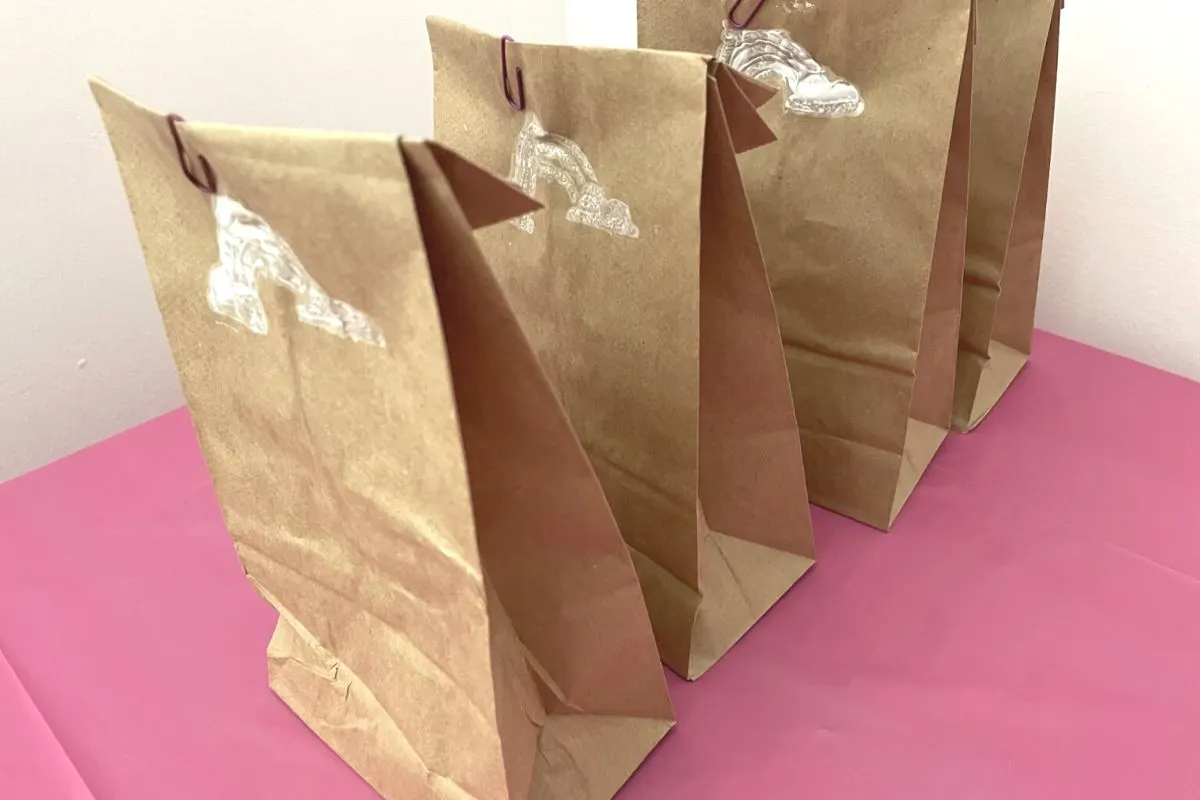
(1016, 76)
(861, 212)
(643, 291)
(458, 614)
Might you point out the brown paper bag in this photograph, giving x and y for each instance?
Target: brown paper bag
(861, 211)
(1016, 74)
(459, 617)
(643, 290)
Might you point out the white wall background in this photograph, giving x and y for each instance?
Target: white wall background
(1121, 269)
(82, 353)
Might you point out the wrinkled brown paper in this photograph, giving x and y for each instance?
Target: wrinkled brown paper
(862, 221)
(664, 348)
(1016, 70)
(459, 618)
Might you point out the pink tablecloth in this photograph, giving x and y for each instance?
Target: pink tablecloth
(32, 762)
(1031, 629)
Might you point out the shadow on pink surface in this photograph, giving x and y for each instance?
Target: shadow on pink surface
(1030, 629)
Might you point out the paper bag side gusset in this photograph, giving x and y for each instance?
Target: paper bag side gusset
(756, 533)
(547, 538)
(1014, 109)
(931, 410)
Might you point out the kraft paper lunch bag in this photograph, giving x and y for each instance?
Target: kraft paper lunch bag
(861, 211)
(458, 615)
(1016, 74)
(642, 289)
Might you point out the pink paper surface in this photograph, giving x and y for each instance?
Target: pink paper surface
(126, 615)
(32, 763)
(1031, 629)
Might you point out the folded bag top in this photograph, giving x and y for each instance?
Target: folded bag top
(1016, 78)
(459, 616)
